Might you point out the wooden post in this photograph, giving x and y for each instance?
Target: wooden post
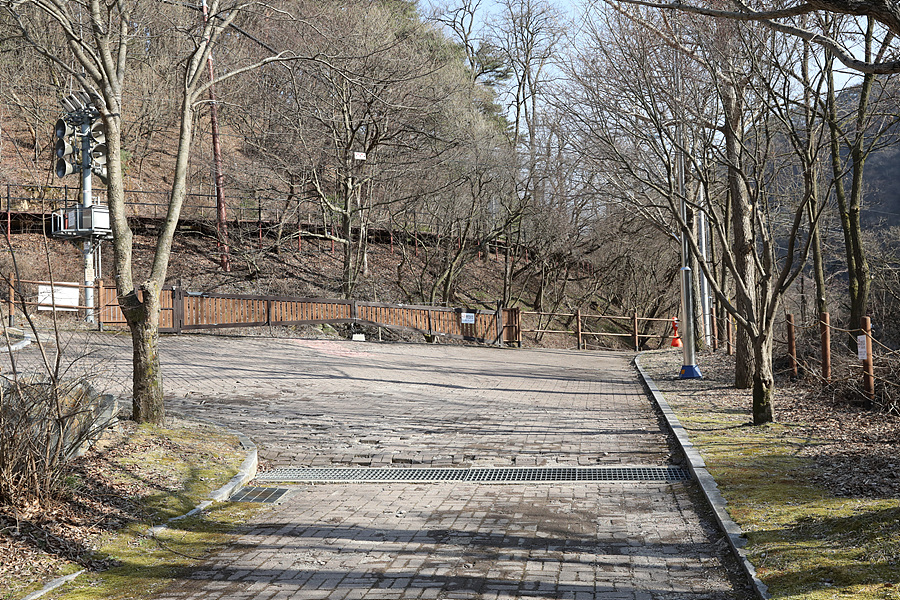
(578, 328)
(715, 331)
(634, 332)
(792, 343)
(519, 327)
(729, 336)
(99, 305)
(825, 325)
(869, 360)
(499, 323)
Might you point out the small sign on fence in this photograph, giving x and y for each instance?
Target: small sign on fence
(861, 347)
(58, 297)
(467, 318)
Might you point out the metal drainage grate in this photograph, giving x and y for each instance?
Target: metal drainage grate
(478, 475)
(265, 495)
(364, 475)
(554, 474)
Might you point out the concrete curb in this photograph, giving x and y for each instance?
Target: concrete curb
(697, 467)
(52, 585)
(246, 472)
(27, 338)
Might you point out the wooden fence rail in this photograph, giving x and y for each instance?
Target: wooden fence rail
(631, 328)
(182, 311)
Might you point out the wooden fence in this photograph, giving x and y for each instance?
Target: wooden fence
(182, 311)
(634, 330)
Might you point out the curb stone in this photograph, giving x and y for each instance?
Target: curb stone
(708, 485)
(246, 473)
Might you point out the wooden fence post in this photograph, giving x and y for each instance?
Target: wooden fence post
(869, 361)
(729, 336)
(519, 327)
(499, 323)
(178, 308)
(792, 343)
(715, 331)
(99, 305)
(578, 328)
(634, 332)
(825, 324)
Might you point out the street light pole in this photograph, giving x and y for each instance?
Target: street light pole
(689, 368)
(87, 200)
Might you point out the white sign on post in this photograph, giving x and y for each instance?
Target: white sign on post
(468, 318)
(861, 347)
(58, 297)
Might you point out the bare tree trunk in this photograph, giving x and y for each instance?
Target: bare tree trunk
(742, 232)
(849, 208)
(818, 264)
(143, 322)
(763, 379)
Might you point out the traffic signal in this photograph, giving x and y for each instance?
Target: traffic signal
(65, 149)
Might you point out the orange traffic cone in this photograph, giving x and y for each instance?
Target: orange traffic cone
(676, 341)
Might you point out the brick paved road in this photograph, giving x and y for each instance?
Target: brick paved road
(322, 403)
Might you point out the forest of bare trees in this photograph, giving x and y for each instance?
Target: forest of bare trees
(552, 140)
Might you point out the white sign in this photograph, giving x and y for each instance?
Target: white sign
(58, 297)
(359, 156)
(861, 347)
(468, 318)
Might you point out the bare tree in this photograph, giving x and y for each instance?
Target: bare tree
(631, 122)
(348, 130)
(789, 19)
(854, 133)
(95, 43)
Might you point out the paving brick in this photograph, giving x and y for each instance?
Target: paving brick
(329, 403)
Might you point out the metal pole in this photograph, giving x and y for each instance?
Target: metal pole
(868, 361)
(705, 304)
(86, 203)
(689, 369)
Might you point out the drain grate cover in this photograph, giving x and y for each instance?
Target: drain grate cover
(478, 475)
(265, 495)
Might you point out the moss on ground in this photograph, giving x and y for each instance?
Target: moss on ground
(150, 563)
(168, 472)
(805, 542)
